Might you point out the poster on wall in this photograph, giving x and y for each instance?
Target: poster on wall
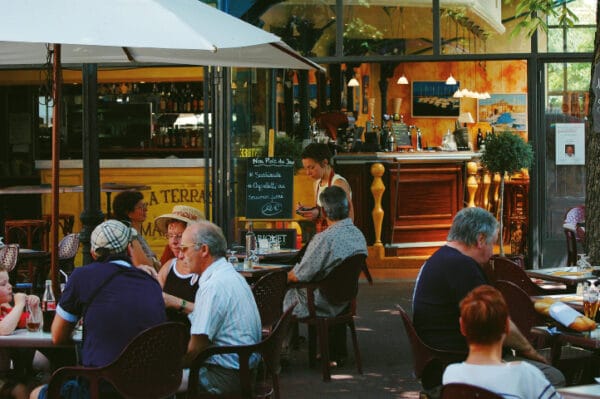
(434, 100)
(365, 94)
(570, 144)
(504, 111)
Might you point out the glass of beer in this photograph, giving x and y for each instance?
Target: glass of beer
(590, 301)
(34, 318)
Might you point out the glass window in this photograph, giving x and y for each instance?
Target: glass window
(577, 39)
(567, 88)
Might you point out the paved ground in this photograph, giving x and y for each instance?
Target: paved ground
(386, 356)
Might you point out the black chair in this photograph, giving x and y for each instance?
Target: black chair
(269, 349)
(507, 270)
(339, 286)
(269, 292)
(466, 391)
(149, 366)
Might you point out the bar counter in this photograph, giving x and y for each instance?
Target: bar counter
(422, 191)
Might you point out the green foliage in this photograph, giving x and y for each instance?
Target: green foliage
(506, 153)
(287, 147)
(533, 13)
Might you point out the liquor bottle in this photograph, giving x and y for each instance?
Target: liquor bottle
(48, 300)
(479, 139)
(419, 140)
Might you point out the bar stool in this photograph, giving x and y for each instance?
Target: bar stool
(65, 222)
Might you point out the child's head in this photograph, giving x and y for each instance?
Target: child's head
(6, 294)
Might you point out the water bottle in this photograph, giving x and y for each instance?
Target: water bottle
(250, 247)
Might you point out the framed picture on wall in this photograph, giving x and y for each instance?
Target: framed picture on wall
(504, 111)
(433, 99)
(365, 94)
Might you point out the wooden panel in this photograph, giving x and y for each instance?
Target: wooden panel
(426, 199)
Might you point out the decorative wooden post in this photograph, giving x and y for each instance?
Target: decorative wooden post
(487, 182)
(471, 182)
(377, 189)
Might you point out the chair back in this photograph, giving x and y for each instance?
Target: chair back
(573, 232)
(341, 284)
(505, 269)
(269, 349)
(269, 292)
(520, 308)
(9, 255)
(28, 233)
(68, 246)
(422, 353)
(466, 391)
(148, 367)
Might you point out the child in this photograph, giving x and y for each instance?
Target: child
(12, 317)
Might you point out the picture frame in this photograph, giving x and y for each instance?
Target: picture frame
(504, 111)
(434, 99)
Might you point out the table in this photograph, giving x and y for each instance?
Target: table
(574, 301)
(261, 269)
(580, 391)
(567, 275)
(22, 338)
(280, 256)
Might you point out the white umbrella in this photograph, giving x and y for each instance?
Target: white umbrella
(131, 31)
(139, 31)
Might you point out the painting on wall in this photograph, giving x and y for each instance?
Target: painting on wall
(504, 111)
(433, 99)
(365, 93)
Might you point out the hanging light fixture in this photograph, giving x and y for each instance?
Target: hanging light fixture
(402, 80)
(353, 82)
(450, 80)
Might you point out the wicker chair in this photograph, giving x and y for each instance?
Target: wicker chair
(149, 367)
(268, 293)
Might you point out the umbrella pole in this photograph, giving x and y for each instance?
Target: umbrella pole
(56, 113)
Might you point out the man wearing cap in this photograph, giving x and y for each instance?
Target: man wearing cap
(179, 284)
(115, 299)
(225, 313)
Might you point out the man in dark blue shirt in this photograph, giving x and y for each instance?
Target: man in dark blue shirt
(117, 299)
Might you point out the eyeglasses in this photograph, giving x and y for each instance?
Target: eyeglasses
(184, 247)
(143, 206)
(172, 236)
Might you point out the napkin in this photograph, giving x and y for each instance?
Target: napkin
(563, 313)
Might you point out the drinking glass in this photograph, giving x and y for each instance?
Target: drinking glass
(232, 258)
(34, 318)
(583, 262)
(590, 300)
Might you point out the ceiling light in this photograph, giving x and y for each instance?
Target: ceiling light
(402, 80)
(450, 80)
(353, 83)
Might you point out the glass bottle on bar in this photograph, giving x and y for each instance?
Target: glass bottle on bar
(250, 247)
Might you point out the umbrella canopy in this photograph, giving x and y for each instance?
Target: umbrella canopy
(138, 31)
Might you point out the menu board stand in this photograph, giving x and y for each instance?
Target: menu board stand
(269, 188)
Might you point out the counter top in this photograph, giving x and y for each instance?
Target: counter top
(407, 157)
(128, 163)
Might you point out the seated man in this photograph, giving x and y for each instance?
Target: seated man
(446, 278)
(484, 322)
(225, 312)
(115, 300)
(324, 253)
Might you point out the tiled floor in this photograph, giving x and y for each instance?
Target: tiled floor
(386, 356)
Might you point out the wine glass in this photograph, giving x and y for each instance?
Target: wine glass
(232, 258)
(34, 318)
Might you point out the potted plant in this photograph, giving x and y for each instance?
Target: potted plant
(505, 153)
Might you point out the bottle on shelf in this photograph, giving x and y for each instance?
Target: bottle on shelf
(479, 139)
(419, 140)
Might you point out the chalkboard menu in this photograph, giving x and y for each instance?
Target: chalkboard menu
(269, 188)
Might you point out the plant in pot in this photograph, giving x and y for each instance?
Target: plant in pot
(505, 153)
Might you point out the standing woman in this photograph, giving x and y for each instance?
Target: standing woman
(130, 207)
(316, 159)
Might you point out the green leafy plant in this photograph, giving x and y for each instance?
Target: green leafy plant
(532, 15)
(287, 147)
(505, 153)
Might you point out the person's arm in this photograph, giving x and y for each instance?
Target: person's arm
(162, 274)
(11, 320)
(137, 254)
(343, 184)
(196, 344)
(291, 277)
(517, 341)
(173, 302)
(62, 330)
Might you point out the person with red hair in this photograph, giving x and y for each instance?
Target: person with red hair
(484, 322)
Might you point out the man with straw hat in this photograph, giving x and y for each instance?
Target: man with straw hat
(179, 284)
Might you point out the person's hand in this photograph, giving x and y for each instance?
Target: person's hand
(20, 299)
(309, 213)
(148, 269)
(33, 301)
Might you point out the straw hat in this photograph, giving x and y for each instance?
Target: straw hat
(183, 213)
